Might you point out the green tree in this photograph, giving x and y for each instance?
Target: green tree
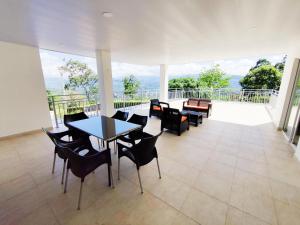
(280, 65)
(131, 84)
(80, 77)
(213, 78)
(261, 62)
(183, 83)
(262, 77)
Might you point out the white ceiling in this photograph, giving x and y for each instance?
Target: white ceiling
(154, 31)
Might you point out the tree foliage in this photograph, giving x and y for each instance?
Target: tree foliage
(80, 76)
(261, 62)
(131, 84)
(210, 78)
(183, 83)
(280, 65)
(213, 78)
(262, 77)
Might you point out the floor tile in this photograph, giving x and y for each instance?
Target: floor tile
(237, 217)
(233, 169)
(213, 186)
(287, 214)
(204, 209)
(258, 205)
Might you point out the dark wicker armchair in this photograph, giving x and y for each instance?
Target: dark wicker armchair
(173, 120)
(157, 107)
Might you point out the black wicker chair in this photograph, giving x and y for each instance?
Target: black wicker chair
(136, 134)
(82, 165)
(173, 120)
(156, 107)
(75, 133)
(59, 149)
(140, 154)
(119, 115)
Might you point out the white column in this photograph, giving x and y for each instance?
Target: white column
(163, 83)
(105, 82)
(285, 91)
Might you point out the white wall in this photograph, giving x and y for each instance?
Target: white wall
(23, 100)
(285, 91)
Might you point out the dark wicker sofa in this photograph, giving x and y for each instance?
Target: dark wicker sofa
(198, 105)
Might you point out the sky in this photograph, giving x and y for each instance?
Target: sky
(52, 60)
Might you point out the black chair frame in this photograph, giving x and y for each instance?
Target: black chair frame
(140, 154)
(120, 115)
(172, 120)
(160, 105)
(60, 145)
(82, 165)
(137, 134)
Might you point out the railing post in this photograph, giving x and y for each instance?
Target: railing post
(141, 99)
(97, 108)
(242, 94)
(123, 97)
(54, 111)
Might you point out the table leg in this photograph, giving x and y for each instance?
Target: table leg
(99, 144)
(108, 166)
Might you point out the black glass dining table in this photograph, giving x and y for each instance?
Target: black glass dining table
(105, 128)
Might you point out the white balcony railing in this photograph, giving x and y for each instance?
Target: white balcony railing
(60, 105)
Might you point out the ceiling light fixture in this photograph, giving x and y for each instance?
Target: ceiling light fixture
(107, 14)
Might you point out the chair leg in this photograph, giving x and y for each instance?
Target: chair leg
(63, 172)
(109, 175)
(115, 146)
(80, 193)
(112, 178)
(158, 168)
(118, 168)
(54, 159)
(66, 181)
(138, 172)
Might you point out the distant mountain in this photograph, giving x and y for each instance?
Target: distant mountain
(235, 81)
(56, 84)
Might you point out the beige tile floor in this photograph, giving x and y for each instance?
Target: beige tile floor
(234, 169)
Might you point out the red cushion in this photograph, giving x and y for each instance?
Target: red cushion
(203, 104)
(156, 108)
(196, 107)
(183, 118)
